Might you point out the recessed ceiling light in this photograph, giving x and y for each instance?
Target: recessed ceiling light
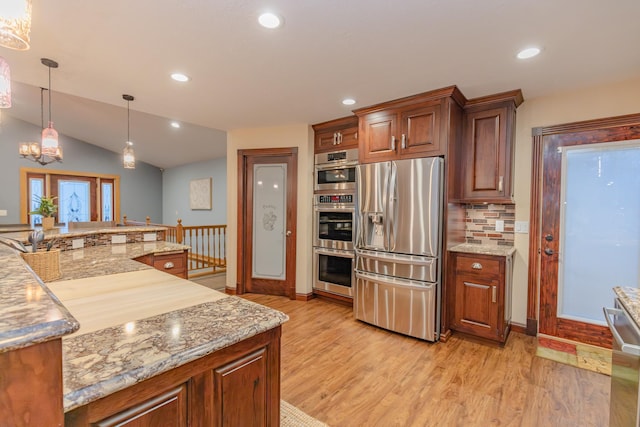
(348, 101)
(175, 125)
(528, 53)
(270, 20)
(179, 77)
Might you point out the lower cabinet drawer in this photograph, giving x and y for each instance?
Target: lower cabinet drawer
(476, 265)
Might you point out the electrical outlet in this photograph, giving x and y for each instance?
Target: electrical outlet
(77, 243)
(3, 212)
(149, 237)
(521, 227)
(500, 225)
(118, 239)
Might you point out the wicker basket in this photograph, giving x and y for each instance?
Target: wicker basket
(46, 264)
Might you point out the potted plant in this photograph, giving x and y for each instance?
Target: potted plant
(46, 209)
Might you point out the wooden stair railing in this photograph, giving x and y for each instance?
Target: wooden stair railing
(207, 254)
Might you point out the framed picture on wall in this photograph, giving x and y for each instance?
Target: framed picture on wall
(200, 194)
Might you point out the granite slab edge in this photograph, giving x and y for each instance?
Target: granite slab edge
(630, 299)
(100, 363)
(479, 249)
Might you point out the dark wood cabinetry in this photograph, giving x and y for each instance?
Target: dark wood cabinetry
(236, 386)
(412, 127)
(488, 147)
(481, 295)
(336, 134)
(170, 262)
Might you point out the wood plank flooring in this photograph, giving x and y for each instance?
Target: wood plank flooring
(347, 373)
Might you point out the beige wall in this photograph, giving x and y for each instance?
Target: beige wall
(590, 103)
(300, 136)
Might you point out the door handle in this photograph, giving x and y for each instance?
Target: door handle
(393, 143)
(288, 233)
(548, 238)
(548, 251)
(404, 141)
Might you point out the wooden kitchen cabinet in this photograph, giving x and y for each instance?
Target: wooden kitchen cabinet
(238, 385)
(487, 148)
(339, 134)
(170, 262)
(481, 295)
(407, 128)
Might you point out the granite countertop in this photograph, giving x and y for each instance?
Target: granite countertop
(29, 312)
(109, 259)
(65, 232)
(108, 360)
(473, 248)
(630, 299)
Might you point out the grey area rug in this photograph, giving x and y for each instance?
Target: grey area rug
(290, 416)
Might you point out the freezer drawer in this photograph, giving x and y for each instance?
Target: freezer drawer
(404, 306)
(410, 267)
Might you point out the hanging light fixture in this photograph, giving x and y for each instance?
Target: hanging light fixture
(15, 24)
(49, 134)
(5, 84)
(129, 158)
(48, 150)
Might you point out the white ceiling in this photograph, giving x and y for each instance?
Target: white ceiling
(246, 76)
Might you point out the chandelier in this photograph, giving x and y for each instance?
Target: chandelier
(48, 150)
(15, 24)
(128, 156)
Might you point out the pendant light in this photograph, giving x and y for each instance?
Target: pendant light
(15, 24)
(35, 151)
(49, 134)
(129, 158)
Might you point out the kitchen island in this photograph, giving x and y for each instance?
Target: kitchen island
(140, 345)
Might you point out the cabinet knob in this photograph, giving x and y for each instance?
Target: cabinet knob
(168, 265)
(476, 266)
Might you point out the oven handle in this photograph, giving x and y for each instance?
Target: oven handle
(337, 165)
(624, 347)
(334, 252)
(334, 208)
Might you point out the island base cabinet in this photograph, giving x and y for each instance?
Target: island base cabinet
(235, 386)
(31, 384)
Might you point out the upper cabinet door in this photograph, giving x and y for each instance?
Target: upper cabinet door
(339, 134)
(379, 141)
(420, 134)
(488, 147)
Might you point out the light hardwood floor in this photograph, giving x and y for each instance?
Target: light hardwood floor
(347, 373)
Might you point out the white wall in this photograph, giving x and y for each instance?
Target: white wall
(586, 104)
(300, 136)
(175, 193)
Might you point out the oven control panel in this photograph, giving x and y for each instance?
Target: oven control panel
(334, 198)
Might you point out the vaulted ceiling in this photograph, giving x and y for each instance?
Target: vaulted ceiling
(243, 75)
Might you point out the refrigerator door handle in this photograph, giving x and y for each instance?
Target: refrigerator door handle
(624, 347)
(392, 207)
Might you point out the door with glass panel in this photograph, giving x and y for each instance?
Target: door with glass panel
(267, 221)
(590, 231)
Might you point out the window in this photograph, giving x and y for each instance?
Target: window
(79, 196)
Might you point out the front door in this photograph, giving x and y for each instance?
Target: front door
(589, 229)
(267, 221)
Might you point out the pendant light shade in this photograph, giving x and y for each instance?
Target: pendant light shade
(15, 24)
(128, 156)
(49, 134)
(5, 84)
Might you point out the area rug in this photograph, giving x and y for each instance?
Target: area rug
(290, 416)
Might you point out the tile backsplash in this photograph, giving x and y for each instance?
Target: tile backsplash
(480, 225)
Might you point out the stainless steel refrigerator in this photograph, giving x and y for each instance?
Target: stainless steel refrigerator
(398, 246)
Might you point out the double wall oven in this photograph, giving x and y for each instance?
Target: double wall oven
(334, 221)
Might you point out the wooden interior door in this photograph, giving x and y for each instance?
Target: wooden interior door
(546, 229)
(267, 228)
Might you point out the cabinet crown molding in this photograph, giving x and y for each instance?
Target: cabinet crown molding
(513, 95)
(449, 91)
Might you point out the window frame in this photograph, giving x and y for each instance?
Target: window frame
(53, 175)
